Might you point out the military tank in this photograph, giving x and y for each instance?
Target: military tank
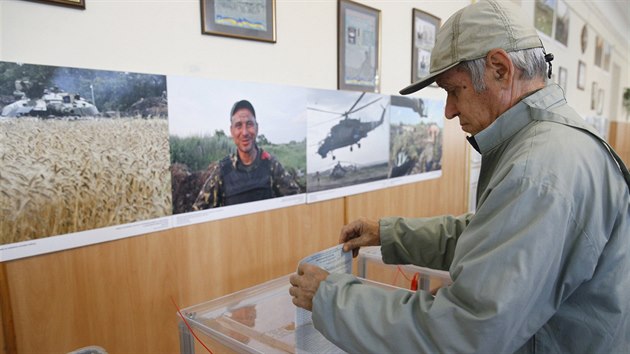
(53, 103)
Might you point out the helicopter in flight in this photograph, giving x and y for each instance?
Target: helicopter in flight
(348, 131)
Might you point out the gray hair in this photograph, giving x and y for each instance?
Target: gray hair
(531, 63)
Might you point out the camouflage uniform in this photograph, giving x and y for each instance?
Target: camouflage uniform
(232, 182)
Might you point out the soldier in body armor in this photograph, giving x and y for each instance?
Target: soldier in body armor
(248, 175)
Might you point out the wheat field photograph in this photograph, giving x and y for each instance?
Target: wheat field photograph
(65, 169)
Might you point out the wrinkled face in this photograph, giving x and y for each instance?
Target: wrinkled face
(244, 130)
(476, 110)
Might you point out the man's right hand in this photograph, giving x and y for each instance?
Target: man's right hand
(361, 232)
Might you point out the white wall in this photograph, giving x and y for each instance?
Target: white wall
(603, 18)
(164, 37)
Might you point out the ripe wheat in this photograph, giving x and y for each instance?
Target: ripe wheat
(62, 176)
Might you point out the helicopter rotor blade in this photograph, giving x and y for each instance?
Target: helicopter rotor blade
(355, 103)
(321, 110)
(360, 108)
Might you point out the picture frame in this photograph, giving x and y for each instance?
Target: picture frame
(606, 56)
(544, 14)
(581, 75)
(594, 96)
(358, 47)
(562, 78)
(424, 28)
(599, 50)
(77, 4)
(584, 39)
(563, 19)
(243, 19)
(600, 101)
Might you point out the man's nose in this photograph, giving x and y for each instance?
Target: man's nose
(450, 109)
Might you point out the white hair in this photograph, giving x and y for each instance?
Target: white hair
(530, 62)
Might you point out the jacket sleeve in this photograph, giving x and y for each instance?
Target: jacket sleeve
(510, 273)
(283, 182)
(426, 242)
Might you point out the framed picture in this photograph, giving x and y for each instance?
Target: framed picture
(563, 16)
(599, 50)
(562, 78)
(581, 75)
(359, 42)
(78, 4)
(544, 15)
(606, 56)
(594, 94)
(245, 19)
(584, 39)
(423, 39)
(600, 101)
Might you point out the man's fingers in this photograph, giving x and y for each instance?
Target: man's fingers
(299, 302)
(350, 231)
(352, 245)
(294, 279)
(296, 292)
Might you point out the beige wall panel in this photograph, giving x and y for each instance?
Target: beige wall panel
(619, 136)
(118, 294)
(446, 195)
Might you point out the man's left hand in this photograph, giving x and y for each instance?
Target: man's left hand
(305, 284)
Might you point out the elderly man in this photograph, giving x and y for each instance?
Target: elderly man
(543, 264)
(248, 175)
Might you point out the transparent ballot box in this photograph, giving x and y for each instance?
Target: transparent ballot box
(370, 266)
(260, 319)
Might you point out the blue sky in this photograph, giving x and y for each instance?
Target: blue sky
(201, 106)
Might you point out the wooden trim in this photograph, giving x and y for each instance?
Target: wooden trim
(619, 139)
(8, 341)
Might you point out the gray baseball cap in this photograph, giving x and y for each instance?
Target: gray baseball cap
(472, 32)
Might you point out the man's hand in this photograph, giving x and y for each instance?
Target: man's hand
(305, 284)
(361, 232)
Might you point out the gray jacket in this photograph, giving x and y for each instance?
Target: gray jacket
(542, 267)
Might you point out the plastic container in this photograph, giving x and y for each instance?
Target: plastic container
(370, 266)
(262, 319)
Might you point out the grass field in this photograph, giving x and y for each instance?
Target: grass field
(63, 176)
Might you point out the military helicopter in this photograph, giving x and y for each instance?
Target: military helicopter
(415, 104)
(348, 131)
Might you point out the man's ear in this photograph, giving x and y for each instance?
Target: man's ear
(500, 65)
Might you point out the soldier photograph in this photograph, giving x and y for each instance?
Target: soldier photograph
(235, 143)
(250, 173)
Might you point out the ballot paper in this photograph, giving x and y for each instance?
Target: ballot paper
(333, 260)
(307, 338)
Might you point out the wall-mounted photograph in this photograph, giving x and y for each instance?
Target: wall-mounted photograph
(424, 28)
(599, 50)
(544, 15)
(77, 4)
(594, 95)
(416, 135)
(359, 43)
(235, 143)
(600, 101)
(584, 38)
(562, 78)
(581, 75)
(245, 19)
(348, 139)
(563, 15)
(83, 149)
(606, 56)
